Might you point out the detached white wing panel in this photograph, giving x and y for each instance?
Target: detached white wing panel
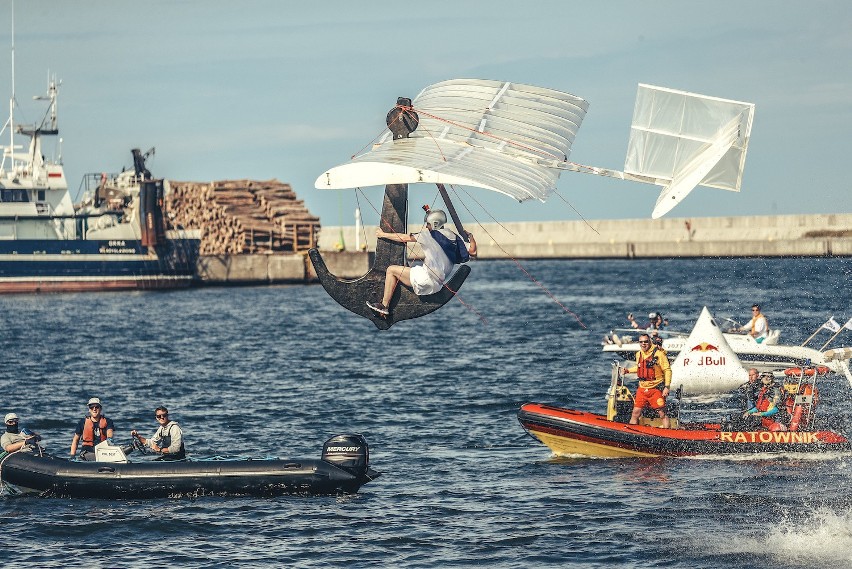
(690, 175)
(685, 139)
(499, 136)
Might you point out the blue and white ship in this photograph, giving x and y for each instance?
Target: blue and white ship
(115, 239)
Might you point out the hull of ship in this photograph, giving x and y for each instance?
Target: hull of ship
(568, 432)
(28, 266)
(50, 476)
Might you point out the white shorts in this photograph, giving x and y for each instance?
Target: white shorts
(422, 281)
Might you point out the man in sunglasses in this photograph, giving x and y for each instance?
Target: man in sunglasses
(15, 439)
(758, 326)
(91, 430)
(167, 440)
(655, 377)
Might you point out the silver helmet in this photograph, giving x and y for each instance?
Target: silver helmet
(435, 219)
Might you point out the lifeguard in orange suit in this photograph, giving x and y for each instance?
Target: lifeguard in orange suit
(768, 404)
(655, 376)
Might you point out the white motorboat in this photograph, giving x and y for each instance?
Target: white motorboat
(768, 355)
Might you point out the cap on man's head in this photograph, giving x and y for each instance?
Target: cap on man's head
(652, 315)
(94, 401)
(9, 417)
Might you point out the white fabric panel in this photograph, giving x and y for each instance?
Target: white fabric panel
(671, 128)
(689, 175)
(496, 135)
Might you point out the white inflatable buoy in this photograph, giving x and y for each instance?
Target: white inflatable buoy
(707, 364)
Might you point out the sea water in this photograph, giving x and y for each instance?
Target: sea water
(274, 371)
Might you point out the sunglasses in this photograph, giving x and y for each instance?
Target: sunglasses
(94, 406)
(12, 422)
(162, 416)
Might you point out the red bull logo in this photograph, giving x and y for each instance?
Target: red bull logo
(704, 347)
(705, 361)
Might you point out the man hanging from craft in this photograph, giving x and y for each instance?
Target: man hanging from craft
(442, 249)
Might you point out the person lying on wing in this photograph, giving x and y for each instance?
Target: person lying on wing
(441, 249)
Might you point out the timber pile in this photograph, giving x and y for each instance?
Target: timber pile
(243, 216)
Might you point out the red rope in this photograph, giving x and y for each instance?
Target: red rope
(506, 253)
(404, 108)
(518, 263)
(455, 293)
(563, 158)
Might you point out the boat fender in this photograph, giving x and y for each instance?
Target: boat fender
(349, 452)
(804, 402)
(808, 371)
(797, 418)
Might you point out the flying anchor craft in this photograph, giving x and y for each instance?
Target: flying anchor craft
(515, 139)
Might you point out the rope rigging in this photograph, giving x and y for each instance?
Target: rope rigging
(400, 115)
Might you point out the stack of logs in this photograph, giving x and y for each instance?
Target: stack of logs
(243, 216)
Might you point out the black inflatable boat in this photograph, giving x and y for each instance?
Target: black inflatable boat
(343, 468)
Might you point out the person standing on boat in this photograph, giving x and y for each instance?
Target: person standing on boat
(15, 439)
(655, 321)
(655, 377)
(442, 249)
(167, 440)
(91, 430)
(758, 326)
(768, 404)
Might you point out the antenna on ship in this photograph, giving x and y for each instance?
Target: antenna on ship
(12, 102)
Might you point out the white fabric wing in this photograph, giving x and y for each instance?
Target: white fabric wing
(504, 137)
(685, 139)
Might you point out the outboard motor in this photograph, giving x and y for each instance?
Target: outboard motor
(351, 453)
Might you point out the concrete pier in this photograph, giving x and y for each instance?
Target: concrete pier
(815, 235)
(819, 235)
(276, 269)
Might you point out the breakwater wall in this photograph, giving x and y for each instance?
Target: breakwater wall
(812, 235)
(276, 269)
(816, 235)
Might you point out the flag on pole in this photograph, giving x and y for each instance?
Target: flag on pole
(833, 325)
(848, 324)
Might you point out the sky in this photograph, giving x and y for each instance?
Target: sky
(264, 89)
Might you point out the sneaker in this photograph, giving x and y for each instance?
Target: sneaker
(378, 307)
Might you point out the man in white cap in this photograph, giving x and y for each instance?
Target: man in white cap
(91, 430)
(13, 439)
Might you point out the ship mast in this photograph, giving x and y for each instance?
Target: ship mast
(11, 104)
